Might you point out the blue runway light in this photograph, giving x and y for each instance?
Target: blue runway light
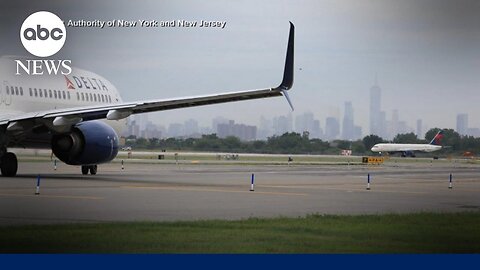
(37, 190)
(253, 182)
(450, 182)
(368, 181)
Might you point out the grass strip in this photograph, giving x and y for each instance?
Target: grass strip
(390, 233)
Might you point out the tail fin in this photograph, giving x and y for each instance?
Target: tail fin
(436, 140)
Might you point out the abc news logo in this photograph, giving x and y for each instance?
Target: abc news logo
(43, 34)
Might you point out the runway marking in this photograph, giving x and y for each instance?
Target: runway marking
(350, 189)
(52, 196)
(218, 190)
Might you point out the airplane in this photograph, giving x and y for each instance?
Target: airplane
(408, 149)
(78, 116)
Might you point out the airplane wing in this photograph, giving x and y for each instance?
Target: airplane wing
(70, 116)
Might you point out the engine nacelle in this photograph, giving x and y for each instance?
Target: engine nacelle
(88, 143)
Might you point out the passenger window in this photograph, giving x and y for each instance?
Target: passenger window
(86, 96)
(95, 97)
(55, 93)
(50, 93)
(63, 94)
(40, 93)
(78, 96)
(35, 90)
(45, 93)
(21, 91)
(103, 98)
(30, 90)
(68, 95)
(16, 91)
(83, 97)
(91, 98)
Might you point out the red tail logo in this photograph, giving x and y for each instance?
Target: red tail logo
(437, 139)
(69, 83)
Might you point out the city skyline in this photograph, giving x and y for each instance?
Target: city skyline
(385, 124)
(332, 127)
(331, 130)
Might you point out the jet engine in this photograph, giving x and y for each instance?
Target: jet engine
(88, 143)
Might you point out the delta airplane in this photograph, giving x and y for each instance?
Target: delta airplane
(409, 149)
(78, 116)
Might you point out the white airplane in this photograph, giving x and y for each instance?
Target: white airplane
(408, 149)
(79, 115)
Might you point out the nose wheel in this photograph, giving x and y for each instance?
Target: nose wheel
(89, 168)
(9, 164)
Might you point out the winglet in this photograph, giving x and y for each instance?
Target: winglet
(285, 94)
(287, 81)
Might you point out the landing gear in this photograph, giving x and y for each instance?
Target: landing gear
(91, 168)
(408, 154)
(85, 169)
(9, 164)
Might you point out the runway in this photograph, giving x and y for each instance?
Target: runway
(169, 192)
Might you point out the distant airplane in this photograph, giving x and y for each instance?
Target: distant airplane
(79, 115)
(409, 149)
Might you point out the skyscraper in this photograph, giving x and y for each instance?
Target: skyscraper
(375, 108)
(191, 127)
(348, 128)
(378, 123)
(317, 131)
(265, 128)
(216, 121)
(395, 124)
(282, 124)
(307, 122)
(462, 123)
(304, 122)
(419, 128)
(241, 131)
(332, 128)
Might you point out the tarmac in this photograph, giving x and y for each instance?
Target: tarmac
(170, 192)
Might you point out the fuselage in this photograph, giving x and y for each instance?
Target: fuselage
(33, 93)
(400, 147)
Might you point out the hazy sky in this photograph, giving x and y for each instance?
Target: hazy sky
(426, 54)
